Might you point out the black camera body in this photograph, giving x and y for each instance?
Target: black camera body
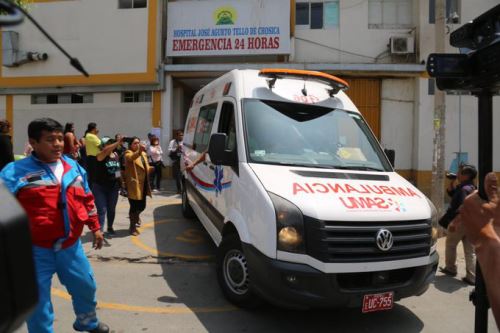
(451, 175)
(128, 139)
(19, 291)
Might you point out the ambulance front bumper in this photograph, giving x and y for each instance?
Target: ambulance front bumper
(302, 286)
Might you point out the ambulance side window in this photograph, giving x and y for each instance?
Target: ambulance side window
(227, 125)
(204, 127)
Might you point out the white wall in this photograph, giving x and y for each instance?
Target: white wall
(2, 107)
(104, 38)
(111, 116)
(424, 119)
(469, 129)
(352, 35)
(397, 105)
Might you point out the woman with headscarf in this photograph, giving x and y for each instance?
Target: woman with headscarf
(137, 171)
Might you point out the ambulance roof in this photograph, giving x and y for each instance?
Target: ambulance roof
(306, 87)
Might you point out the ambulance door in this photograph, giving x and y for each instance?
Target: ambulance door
(223, 174)
(202, 175)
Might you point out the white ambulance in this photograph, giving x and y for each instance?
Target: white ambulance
(294, 189)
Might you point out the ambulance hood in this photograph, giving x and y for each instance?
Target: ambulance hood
(345, 195)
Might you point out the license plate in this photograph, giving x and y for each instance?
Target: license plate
(378, 302)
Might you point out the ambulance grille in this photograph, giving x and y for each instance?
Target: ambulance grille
(350, 242)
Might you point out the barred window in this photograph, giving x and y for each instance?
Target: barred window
(129, 4)
(62, 98)
(136, 96)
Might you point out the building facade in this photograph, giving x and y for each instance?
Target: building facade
(147, 58)
(118, 43)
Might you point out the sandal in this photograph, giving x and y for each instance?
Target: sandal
(446, 271)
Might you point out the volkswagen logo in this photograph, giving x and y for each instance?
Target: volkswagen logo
(384, 239)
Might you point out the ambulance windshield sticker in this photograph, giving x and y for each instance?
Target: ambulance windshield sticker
(225, 16)
(351, 153)
(361, 197)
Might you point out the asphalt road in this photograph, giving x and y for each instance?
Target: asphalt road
(164, 281)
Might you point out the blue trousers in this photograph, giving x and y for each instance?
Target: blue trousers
(106, 200)
(75, 273)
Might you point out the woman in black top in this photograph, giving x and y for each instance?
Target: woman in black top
(107, 181)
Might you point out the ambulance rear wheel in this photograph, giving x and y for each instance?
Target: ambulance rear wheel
(187, 211)
(232, 273)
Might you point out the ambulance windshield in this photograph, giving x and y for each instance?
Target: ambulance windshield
(295, 134)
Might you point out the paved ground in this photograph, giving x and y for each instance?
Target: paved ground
(164, 280)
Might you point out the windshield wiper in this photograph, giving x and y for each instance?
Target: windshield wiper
(305, 165)
(361, 167)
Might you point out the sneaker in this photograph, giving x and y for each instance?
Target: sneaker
(155, 190)
(111, 231)
(468, 281)
(101, 328)
(446, 271)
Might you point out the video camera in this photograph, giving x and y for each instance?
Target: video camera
(476, 69)
(19, 292)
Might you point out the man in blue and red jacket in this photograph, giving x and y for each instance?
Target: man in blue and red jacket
(54, 192)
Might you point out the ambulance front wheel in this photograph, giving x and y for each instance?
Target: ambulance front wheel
(232, 273)
(187, 211)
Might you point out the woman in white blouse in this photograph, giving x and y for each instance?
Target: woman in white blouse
(155, 155)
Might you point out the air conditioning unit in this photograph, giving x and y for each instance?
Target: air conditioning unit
(402, 45)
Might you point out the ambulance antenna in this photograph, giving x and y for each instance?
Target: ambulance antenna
(304, 90)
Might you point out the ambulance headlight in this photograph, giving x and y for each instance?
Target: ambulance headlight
(289, 225)
(434, 225)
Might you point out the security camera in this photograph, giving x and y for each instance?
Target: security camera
(454, 18)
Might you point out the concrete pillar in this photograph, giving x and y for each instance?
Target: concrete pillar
(167, 117)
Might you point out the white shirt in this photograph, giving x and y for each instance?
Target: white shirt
(57, 169)
(172, 146)
(155, 153)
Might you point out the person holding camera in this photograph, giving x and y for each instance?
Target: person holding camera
(456, 233)
(175, 154)
(155, 154)
(107, 182)
(137, 172)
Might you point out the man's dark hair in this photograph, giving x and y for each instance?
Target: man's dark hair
(469, 170)
(36, 127)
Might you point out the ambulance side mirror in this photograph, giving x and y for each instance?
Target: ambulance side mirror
(391, 155)
(218, 153)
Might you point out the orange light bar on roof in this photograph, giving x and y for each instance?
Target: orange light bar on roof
(336, 83)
